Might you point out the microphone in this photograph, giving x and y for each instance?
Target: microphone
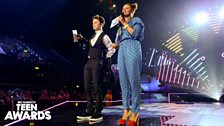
(122, 15)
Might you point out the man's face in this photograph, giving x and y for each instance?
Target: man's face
(96, 25)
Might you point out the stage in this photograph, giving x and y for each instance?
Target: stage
(151, 114)
(45, 45)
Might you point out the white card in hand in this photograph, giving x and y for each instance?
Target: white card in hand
(75, 38)
(114, 22)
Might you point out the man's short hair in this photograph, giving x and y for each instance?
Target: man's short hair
(100, 18)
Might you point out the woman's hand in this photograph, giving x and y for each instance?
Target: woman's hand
(121, 19)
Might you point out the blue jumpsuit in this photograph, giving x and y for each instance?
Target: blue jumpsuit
(129, 63)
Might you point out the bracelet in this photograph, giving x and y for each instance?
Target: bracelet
(126, 26)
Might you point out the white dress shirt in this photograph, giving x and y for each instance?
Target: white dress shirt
(106, 41)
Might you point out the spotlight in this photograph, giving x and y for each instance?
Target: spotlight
(174, 60)
(201, 18)
(76, 104)
(203, 58)
(221, 13)
(164, 52)
(36, 68)
(114, 5)
(222, 54)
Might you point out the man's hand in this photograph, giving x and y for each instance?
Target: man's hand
(114, 45)
(78, 36)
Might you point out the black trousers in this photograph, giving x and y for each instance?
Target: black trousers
(93, 76)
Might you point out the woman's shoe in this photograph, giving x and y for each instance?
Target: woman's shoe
(134, 123)
(122, 122)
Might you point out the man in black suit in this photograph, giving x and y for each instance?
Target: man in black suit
(93, 69)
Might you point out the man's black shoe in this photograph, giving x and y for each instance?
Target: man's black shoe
(96, 117)
(87, 115)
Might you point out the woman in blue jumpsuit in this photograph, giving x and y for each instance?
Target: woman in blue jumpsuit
(128, 38)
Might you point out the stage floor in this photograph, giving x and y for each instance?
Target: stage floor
(152, 114)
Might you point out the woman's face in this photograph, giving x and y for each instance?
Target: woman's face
(127, 10)
(96, 25)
